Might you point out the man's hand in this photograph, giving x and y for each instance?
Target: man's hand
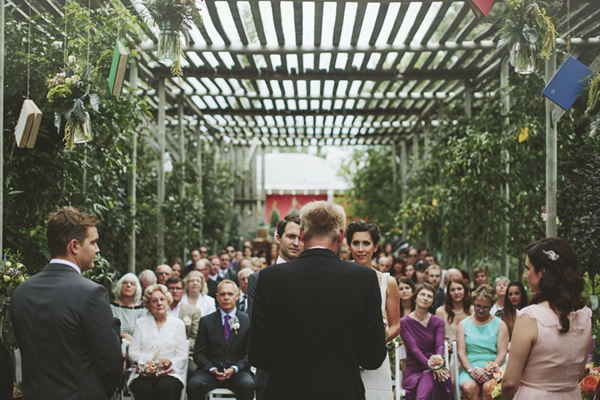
(223, 376)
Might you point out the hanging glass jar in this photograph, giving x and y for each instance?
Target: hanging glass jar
(82, 130)
(524, 59)
(169, 41)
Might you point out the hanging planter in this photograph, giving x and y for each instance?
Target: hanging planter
(169, 42)
(528, 32)
(174, 19)
(523, 59)
(70, 98)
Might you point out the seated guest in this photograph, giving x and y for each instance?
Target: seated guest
(163, 272)
(466, 277)
(434, 278)
(196, 293)
(456, 307)
(247, 251)
(213, 277)
(242, 303)
(177, 267)
(480, 338)
(423, 336)
(409, 272)
(221, 350)
(397, 267)
(125, 308)
(501, 284)
(407, 288)
(516, 298)
(147, 277)
(480, 277)
(158, 337)
(420, 268)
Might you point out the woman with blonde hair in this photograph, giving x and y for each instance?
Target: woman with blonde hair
(158, 342)
(127, 292)
(481, 338)
(196, 293)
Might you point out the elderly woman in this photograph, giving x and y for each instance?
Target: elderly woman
(159, 338)
(125, 308)
(196, 293)
(480, 338)
(501, 284)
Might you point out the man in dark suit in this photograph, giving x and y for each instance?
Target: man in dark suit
(287, 237)
(221, 350)
(69, 342)
(317, 319)
(213, 278)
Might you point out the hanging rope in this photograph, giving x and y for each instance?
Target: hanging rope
(88, 31)
(569, 28)
(28, 49)
(65, 47)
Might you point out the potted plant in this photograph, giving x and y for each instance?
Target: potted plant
(528, 32)
(174, 18)
(70, 98)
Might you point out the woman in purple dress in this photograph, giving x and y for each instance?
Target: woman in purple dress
(423, 336)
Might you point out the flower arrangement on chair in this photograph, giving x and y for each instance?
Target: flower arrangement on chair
(174, 18)
(528, 32)
(70, 98)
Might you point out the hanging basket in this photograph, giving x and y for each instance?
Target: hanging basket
(523, 59)
(169, 41)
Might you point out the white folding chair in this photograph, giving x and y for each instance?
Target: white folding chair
(457, 393)
(400, 355)
(220, 393)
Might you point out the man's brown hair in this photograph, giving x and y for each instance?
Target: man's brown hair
(66, 224)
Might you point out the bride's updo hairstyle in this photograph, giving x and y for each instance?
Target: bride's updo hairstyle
(561, 283)
(364, 226)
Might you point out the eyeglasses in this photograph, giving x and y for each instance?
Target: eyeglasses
(480, 307)
(175, 289)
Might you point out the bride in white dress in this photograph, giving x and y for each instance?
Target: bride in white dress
(363, 240)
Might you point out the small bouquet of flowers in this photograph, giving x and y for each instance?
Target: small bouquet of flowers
(436, 362)
(12, 274)
(590, 381)
(147, 369)
(491, 368)
(70, 98)
(495, 388)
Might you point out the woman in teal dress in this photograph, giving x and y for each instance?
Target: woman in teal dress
(480, 338)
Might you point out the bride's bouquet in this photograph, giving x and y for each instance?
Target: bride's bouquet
(495, 388)
(590, 381)
(490, 368)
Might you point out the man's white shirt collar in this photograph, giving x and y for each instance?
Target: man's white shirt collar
(280, 260)
(69, 263)
(175, 312)
(231, 314)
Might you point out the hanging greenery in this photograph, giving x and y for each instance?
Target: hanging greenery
(174, 18)
(527, 31)
(70, 98)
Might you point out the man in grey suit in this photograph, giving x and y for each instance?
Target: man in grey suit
(287, 237)
(68, 339)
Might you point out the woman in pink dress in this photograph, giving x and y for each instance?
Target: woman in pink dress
(551, 338)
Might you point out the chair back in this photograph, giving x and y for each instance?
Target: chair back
(456, 369)
(400, 355)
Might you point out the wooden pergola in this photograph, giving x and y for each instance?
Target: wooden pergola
(300, 73)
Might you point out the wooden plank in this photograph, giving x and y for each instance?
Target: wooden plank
(258, 23)
(417, 22)
(381, 14)
(435, 24)
(298, 22)
(318, 23)
(339, 21)
(358, 23)
(237, 19)
(216, 21)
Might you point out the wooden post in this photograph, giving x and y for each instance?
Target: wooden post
(181, 133)
(551, 166)
(395, 170)
(504, 74)
(200, 180)
(160, 229)
(133, 79)
(403, 167)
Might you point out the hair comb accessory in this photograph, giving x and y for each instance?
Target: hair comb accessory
(551, 255)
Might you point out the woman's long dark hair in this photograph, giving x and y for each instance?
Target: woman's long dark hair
(561, 283)
(364, 226)
(509, 314)
(449, 304)
(409, 282)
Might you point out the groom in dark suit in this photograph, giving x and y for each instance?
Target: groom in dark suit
(63, 323)
(221, 350)
(317, 319)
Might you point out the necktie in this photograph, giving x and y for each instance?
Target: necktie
(242, 303)
(227, 328)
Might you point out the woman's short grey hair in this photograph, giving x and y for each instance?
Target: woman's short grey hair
(128, 277)
(501, 279)
(156, 288)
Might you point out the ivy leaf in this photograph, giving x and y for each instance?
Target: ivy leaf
(95, 102)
